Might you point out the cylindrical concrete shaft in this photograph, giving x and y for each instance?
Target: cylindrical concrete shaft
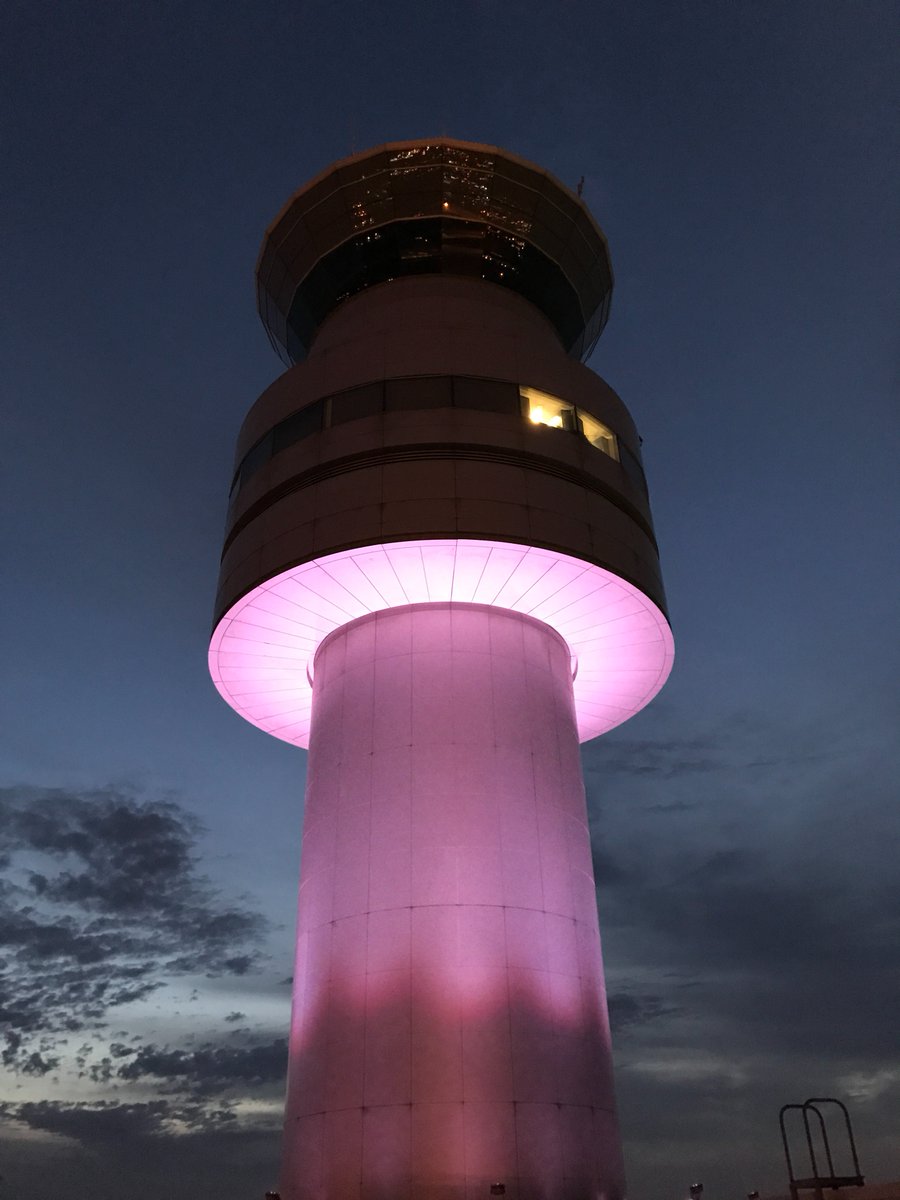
(449, 1027)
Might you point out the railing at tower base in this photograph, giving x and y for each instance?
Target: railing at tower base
(818, 1182)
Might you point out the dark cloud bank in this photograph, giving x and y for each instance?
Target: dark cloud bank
(103, 903)
(142, 1150)
(103, 900)
(750, 907)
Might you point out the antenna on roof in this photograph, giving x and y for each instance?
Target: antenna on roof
(580, 188)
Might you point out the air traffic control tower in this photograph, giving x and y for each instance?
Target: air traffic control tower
(440, 576)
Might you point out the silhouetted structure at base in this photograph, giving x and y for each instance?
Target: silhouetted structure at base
(817, 1182)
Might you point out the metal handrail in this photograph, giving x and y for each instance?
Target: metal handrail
(816, 1181)
(850, 1138)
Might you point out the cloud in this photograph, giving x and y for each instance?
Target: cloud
(34, 1062)
(731, 744)
(750, 916)
(666, 758)
(629, 1009)
(782, 960)
(146, 1149)
(209, 1070)
(106, 1121)
(103, 900)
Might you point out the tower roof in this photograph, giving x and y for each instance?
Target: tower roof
(437, 206)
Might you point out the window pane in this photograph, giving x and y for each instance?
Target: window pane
(298, 425)
(489, 395)
(256, 457)
(428, 391)
(633, 468)
(543, 409)
(598, 434)
(359, 402)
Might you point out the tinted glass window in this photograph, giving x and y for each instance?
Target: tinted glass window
(633, 468)
(256, 457)
(299, 425)
(359, 402)
(426, 392)
(432, 245)
(490, 395)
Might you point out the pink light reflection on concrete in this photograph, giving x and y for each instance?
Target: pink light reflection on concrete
(449, 1024)
(261, 649)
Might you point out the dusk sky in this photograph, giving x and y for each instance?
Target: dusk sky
(742, 159)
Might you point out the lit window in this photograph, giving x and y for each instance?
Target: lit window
(598, 434)
(544, 409)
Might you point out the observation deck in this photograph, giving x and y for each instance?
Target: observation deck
(433, 208)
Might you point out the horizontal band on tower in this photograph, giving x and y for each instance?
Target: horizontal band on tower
(440, 451)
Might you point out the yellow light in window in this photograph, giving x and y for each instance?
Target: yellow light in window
(539, 417)
(544, 409)
(598, 434)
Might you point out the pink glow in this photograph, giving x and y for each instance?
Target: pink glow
(262, 649)
(449, 1024)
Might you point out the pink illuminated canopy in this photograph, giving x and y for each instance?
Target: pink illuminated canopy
(261, 652)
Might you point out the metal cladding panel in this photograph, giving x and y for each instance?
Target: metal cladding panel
(449, 1025)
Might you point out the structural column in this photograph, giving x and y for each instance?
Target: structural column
(449, 1028)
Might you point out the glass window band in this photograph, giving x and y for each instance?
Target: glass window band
(424, 392)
